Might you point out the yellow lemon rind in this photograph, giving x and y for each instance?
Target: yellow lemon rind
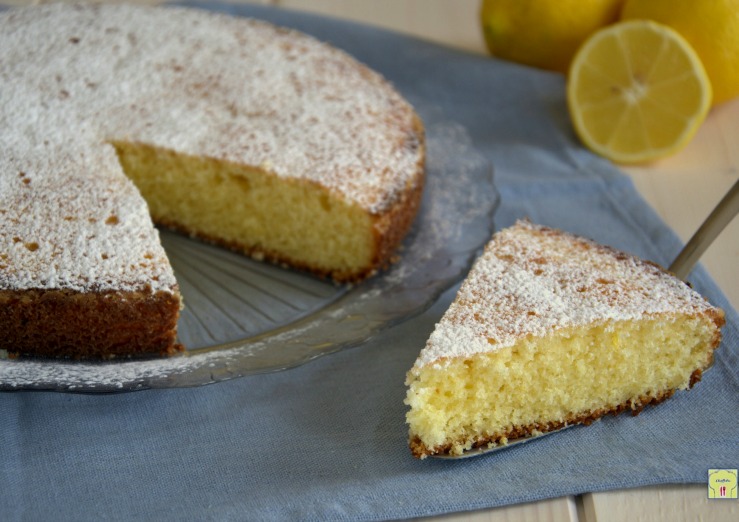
(648, 154)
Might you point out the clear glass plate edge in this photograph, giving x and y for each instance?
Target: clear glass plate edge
(454, 223)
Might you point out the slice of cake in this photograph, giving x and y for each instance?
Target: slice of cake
(550, 329)
(82, 272)
(232, 130)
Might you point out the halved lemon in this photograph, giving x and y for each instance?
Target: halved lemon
(637, 92)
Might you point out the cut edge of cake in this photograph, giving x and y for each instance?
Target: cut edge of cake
(357, 146)
(322, 232)
(538, 296)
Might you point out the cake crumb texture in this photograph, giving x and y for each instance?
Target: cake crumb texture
(258, 138)
(551, 329)
(90, 83)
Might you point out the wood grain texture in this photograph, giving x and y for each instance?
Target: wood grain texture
(552, 510)
(669, 503)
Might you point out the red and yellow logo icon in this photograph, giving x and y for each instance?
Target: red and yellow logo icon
(722, 483)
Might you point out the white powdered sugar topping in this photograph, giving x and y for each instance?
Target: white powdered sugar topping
(532, 281)
(74, 79)
(84, 228)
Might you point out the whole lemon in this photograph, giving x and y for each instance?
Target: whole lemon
(543, 33)
(712, 29)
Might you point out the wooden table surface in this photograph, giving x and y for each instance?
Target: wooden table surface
(682, 189)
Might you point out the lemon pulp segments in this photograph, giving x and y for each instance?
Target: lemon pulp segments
(637, 92)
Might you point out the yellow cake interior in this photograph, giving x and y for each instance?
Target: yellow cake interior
(564, 377)
(255, 137)
(252, 210)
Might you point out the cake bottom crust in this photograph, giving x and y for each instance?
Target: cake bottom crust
(421, 451)
(94, 325)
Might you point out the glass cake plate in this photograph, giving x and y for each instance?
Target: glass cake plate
(242, 317)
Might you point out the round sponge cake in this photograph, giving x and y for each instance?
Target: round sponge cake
(233, 130)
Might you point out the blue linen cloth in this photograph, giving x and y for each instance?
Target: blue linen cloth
(327, 440)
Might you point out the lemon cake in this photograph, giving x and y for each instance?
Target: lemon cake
(254, 137)
(550, 329)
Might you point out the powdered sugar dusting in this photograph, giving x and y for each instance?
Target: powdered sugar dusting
(454, 223)
(532, 280)
(73, 79)
(117, 376)
(84, 228)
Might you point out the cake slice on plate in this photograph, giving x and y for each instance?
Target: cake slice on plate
(550, 329)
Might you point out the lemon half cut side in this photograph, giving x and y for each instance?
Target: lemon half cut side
(637, 92)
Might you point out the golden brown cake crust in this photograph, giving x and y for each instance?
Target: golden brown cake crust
(392, 226)
(90, 325)
(75, 232)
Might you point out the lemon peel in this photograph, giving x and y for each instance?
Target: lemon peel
(637, 92)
